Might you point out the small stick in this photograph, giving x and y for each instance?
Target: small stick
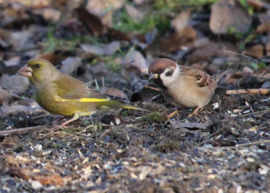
(174, 113)
(20, 131)
(152, 88)
(262, 91)
(252, 143)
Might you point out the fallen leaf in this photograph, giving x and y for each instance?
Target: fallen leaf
(4, 95)
(255, 51)
(174, 42)
(91, 21)
(224, 14)
(50, 179)
(180, 21)
(14, 83)
(209, 50)
(135, 62)
(101, 49)
(115, 92)
(134, 13)
(14, 61)
(70, 65)
(104, 8)
(189, 125)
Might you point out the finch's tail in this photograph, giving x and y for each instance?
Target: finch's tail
(118, 104)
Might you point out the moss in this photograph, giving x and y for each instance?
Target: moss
(155, 117)
(167, 146)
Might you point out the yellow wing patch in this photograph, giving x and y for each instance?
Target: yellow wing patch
(83, 100)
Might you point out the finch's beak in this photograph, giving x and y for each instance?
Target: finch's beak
(25, 71)
(153, 76)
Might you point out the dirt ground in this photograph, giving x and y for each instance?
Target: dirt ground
(225, 148)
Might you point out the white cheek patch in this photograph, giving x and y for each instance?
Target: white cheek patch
(168, 80)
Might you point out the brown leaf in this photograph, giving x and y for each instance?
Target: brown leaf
(91, 21)
(229, 14)
(134, 13)
(180, 21)
(115, 92)
(255, 51)
(55, 57)
(10, 141)
(174, 42)
(4, 95)
(258, 5)
(134, 61)
(209, 50)
(51, 179)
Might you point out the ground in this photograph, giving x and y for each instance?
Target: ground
(224, 148)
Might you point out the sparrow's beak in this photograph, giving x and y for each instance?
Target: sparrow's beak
(153, 76)
(25, 71)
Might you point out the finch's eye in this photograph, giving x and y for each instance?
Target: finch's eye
(36, 65)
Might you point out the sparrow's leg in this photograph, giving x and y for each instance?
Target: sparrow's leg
(171, 115)
(195, 112)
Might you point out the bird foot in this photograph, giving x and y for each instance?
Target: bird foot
(194, 113)
(171, 115)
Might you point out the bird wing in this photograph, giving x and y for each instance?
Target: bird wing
(69, 88)
(202, 78)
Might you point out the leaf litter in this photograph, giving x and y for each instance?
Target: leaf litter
(223, 149)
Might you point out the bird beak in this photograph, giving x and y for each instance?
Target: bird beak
(153, 76)
(25, 71)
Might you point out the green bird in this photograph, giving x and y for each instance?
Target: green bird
(62, 94)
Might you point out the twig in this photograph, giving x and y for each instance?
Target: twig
(262, 91)
(252, 143)
(152, 88)
(249, 114)
(19, 131)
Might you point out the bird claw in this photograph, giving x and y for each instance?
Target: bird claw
(171, 115)
(194, 113)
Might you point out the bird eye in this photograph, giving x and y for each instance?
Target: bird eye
(169, 73)
(160, 71)
(36, 65)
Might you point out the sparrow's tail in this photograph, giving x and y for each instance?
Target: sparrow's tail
(220, 75)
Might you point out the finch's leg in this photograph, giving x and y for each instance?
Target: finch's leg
(74, 118)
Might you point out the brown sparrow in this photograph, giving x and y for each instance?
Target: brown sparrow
(182, 86)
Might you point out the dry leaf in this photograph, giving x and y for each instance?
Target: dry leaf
(255, 51)
(228, 14)
(115, 92)
(134, 13)
(91, 21)
(206, 52)
(180, 21)
(134, 61)
(14, 83)
(102, 49)
(174, 42)
(70, 65)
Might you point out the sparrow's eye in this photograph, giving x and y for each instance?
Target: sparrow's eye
(169, 73)
(160, 71)
(36, 65)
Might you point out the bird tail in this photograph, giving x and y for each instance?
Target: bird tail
(217, 77)
(118, 104)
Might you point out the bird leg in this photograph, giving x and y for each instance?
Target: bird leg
(74, 118)
(171, 115)
(195, 112)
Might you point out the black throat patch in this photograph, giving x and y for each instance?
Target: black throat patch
(159, 83)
